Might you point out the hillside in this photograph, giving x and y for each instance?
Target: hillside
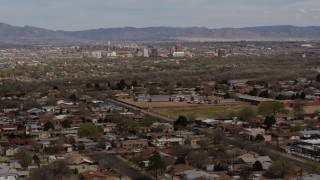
(33, 35)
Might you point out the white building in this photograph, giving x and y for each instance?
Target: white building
(112, 54)
(178, 54)
(96, 54)
(145, 52)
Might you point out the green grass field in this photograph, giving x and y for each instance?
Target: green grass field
(218, 112)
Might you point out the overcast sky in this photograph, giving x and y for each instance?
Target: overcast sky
(90, 14)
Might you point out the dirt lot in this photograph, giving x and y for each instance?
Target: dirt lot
(146, 104)
(311, 109)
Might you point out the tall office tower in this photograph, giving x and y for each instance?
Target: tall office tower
(178, 48)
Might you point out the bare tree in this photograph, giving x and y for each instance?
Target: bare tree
(297, 108)
(57, 170)
(198, 158)
(217, 135)
(24, 157)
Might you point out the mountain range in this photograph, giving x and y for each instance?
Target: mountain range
(33, 35)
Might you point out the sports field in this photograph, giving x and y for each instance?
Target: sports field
(218, 112)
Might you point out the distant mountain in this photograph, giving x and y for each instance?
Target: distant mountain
(32, 35)
(284, 32)
(139, 34)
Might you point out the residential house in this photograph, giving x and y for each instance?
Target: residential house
(169, 142)
(284, 137)
(12, 170)
(231, 128)
(182, 134)
(249, 161)
(108, 127)
(42, 135)
(35, 112)
(178, 169)
(309, 134)
(133, 144)
(51, 109)
(211, 122)
(8, 174)
(8, 129)
(11, 151)
(33, 128)
(198, 174)
(80, 168)
(195, 140)
(165, 126)
(310, 177)
(94, 175)
(252, 133)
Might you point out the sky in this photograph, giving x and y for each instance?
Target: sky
(92, 14)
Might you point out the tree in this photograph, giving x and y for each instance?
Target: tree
(318, 78)
(180, 160)
(36, 159)
(226, 96)
(271, 108)
(257, 166)
(48, 125)
(259, 138)
(297, 108)
(121, 85)
(72, 140)
(88, 130)
(217, 135)
(205, 142)
(134, 83)
(198, 158)
(97, 86)
(280, 97)
(264, 94)
(182, 121)
(73, 97)
(269, 122)
(246, 114)
(279, 169)
(156, 163)
(296, 127)
(88, 85)
(24, 157)
(182, 150)
(129, 125)
(313, 167)
(254, 92)
(153, 90)
(56, 170)
(66, 123)
(225, 82)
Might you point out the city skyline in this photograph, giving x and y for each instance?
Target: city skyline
(82, 14)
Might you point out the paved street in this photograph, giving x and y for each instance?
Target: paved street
(115, 162)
